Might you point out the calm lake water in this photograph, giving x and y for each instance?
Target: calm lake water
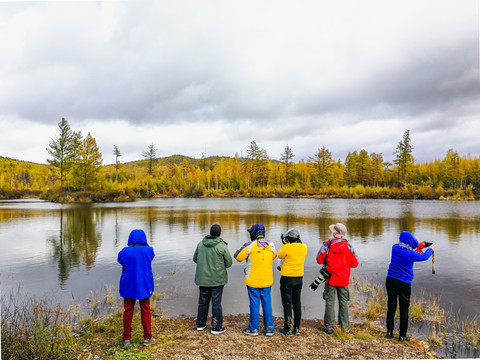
(68, 251)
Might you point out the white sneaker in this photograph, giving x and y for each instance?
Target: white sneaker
(201, 328)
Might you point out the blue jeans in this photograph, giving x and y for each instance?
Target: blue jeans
(256, 297)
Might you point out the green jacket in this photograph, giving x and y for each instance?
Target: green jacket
(212, 258)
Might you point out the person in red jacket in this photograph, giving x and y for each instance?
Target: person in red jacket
(339, 257)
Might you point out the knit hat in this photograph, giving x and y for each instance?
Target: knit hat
(215, 230)
(256, 231)
(338, 230)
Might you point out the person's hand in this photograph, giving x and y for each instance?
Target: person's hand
(432, 247)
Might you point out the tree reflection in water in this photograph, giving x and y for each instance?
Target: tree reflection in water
(78, 239)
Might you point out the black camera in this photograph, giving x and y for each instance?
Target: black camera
(324, 273)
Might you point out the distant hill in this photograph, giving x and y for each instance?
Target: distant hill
(131, 166)
(17, 166)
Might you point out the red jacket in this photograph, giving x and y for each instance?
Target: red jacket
(341, 258)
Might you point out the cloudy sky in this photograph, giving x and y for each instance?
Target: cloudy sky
(208, 77)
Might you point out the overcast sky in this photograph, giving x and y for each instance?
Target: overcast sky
(208, 77)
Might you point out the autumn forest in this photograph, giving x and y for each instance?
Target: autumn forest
(75, 173)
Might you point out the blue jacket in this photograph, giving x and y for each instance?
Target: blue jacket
(136, 281)
(403, 257)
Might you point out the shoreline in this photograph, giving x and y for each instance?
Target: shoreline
(86, 198)
(177, 338)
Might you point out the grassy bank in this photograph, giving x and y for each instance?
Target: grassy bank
(38, 329)
(357, 192)
(178, 339)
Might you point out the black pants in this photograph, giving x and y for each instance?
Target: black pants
(400, 290)
(207, 293)
(291, 290)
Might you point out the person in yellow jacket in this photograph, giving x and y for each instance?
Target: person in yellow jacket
(291, 263)
(259, 254)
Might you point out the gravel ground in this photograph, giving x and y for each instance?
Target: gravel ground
(361, 343)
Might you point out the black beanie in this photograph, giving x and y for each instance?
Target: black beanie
(215, 230)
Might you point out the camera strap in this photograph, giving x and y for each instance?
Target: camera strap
(326, 255)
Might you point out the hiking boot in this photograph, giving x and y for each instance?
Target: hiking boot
(296, 331)
(127, 344)
(389, 334)
(403, 338)
(148, 342)
(285, 332)
(219, 331)
(201, 328)
(250, 332)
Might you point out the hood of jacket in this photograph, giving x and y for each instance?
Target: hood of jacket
(256, 231)
(408, 239)
(211, 241)
(137, 237)
(338, 246)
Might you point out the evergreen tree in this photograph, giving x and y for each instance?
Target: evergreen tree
(62, 149)
(150, 154)
(117, 154)
(286, 158)
(404, 159)
(253, 153)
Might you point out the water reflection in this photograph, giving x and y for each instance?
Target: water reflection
(366, 229)
(77, 241)
(74, 247)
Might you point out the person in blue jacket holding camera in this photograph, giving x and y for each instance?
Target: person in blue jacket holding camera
(399, 280)
(136, 283)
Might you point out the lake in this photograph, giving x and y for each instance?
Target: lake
(70, 251)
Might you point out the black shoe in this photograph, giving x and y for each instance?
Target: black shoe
(389, 334)
(327, 331)
(285, 332)
(296, 331)
(403, 338)
(218, 331)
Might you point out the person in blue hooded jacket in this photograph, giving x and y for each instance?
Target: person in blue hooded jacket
(136, 283)
(399, 280)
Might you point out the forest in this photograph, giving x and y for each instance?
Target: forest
(75, 173)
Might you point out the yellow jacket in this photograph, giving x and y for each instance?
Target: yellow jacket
(258, 270)
(293, 255)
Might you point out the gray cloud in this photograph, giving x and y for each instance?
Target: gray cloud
(298, 74)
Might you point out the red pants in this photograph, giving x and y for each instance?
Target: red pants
(146, 315)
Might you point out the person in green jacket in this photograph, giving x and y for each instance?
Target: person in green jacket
(212, 258)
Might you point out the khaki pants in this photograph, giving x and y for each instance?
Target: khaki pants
(343, 295)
